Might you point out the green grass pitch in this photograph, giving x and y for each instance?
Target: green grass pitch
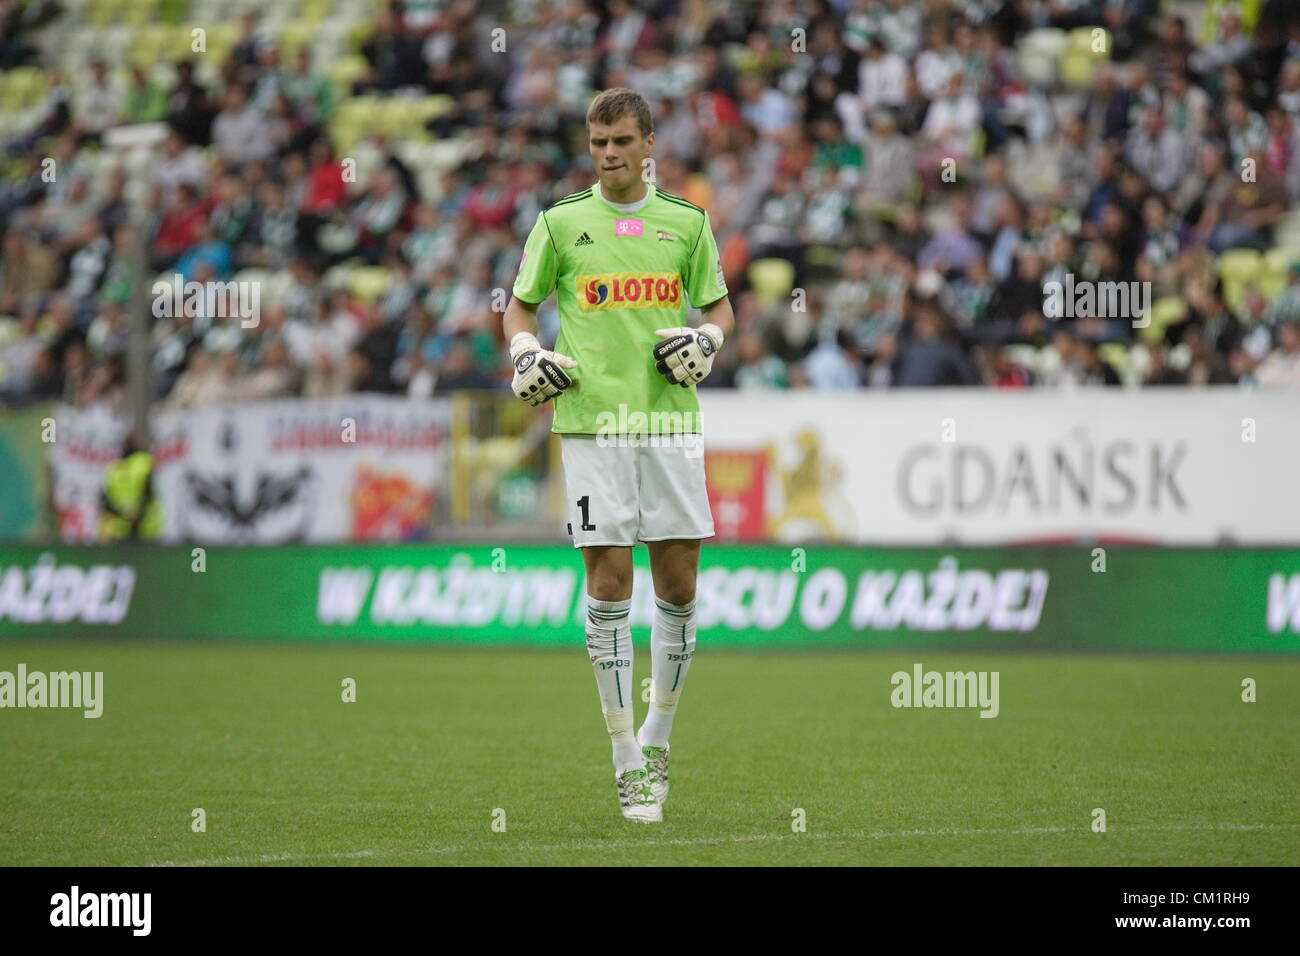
(440, 738)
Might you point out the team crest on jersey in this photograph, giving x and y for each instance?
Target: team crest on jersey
(666, 236)
(629, 290)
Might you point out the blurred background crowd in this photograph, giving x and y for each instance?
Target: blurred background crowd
(891, 184)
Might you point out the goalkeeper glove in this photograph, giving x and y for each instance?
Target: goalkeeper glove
(539, 373)
(685, 356)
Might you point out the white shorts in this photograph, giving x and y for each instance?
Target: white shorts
(646, 489)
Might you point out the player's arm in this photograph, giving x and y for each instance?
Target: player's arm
(520, 317)
(720, 314)
(540, 374)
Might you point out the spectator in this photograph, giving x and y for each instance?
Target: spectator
(927, 360)
(1246, 215)
(1156, 151)
(188, 108)
(834, 364)
(240, 132)
(100, 102)
(1281, 367)
(145, 101)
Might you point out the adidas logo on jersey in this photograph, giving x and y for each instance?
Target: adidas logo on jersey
(585, 240)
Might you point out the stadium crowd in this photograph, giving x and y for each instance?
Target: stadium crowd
(891, 185)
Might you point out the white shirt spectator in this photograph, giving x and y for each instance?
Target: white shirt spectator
(97, 107)
(242, 136)
(933, 69)
(951, 121)
(186, 167)
(1280, 369)
(882, 81)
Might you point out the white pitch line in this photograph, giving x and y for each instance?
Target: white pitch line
(703, 841)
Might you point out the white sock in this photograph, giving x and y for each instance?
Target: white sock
(609, 645)
(672, 645)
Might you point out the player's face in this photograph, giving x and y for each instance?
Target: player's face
(618, 150)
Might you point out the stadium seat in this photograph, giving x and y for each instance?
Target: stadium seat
(772, 280)
(295, 35)
(153, 42)
(101, 13)
(172, 11)
(1116, 355)
(1165, 312)
(359, 33)
(340, 276)
(1039, 53)
(113, 44)
(220, 39)
(344, 72)
(1287, 231)
(1248, 10)
(1239, 268)
(313, 11)
(23, 88)
(1277, 270)
(139, 12)
(369, 282)
(1079, 59)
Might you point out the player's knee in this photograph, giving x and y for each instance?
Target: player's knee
(613, 587)
(678, 592)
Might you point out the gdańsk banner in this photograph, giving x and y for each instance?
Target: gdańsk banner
(984, 467)
(1102, 598)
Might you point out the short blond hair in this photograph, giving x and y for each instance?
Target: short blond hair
(612, 105)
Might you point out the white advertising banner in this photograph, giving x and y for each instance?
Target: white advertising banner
(967, 466)
(354, 468)
(85, 442)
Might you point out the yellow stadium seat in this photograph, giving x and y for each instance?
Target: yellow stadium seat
(102, 13)
(1114, 354)
(139, 12)
(370, 282)
(1038, 54)
(1277, 270)
(344, 72)
(1239, 269)
(295, 35)
(1165, 312)
(771, 279)
(313, 11)
(1085, 48)
(22, 88)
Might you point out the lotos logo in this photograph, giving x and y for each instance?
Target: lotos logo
(629, 290)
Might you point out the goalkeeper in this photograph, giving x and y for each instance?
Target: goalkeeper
(624, 258)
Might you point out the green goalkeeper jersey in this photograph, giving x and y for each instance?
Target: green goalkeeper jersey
(617, 277)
